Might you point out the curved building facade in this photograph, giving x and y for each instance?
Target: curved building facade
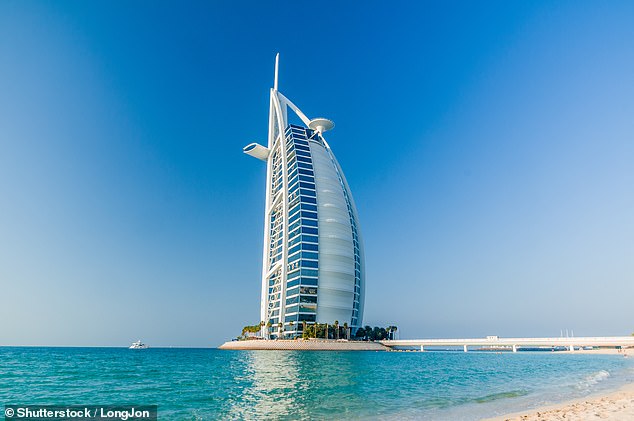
(313, 264)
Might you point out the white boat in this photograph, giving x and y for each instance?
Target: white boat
(138, 345)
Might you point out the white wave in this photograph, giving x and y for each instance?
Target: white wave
(593, 379)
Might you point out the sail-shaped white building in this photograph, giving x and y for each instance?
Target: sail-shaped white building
(313, 263)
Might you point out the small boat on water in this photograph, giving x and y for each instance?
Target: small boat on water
(138, 345)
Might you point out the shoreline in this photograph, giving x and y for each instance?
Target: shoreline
(302, 345)
(617, 405)
(614, 405)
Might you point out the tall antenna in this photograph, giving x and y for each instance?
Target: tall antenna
(277, 65)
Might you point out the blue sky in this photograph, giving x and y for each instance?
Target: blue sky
(489, 147)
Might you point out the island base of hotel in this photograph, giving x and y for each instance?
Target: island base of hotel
(303, 345)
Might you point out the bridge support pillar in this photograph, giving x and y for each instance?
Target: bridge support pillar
(422, 348)
(572, 348)
(465, 348)
(514, 348)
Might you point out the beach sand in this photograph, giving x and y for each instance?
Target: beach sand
(612, 406)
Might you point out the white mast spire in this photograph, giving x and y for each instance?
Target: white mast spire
(277, 65)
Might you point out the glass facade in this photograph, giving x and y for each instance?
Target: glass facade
(303, 231)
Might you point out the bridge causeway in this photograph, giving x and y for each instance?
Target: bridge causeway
(515, 343)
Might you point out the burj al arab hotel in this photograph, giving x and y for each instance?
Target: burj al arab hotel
(313, 263)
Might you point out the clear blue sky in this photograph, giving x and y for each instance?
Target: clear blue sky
(489, 147)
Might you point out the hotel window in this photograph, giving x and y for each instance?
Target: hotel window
(307, 214)
(310, 207)
(308, 230)
(312, 247)
(307, 290)
(309, 255)
(305, 192)
(309, 308)
(309, 264)
(309, 239)
(294, 249)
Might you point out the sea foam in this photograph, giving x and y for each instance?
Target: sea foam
(592, 379)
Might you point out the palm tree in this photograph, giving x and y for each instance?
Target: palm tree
(304, 328)
(279, 330)
(291, 324)
(268, 329)
(337, 328)
(345, 329)
(262, 328)
(395, 328)
(360, 332)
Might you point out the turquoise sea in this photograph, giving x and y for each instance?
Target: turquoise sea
(208, 384)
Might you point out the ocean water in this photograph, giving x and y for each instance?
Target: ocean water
(208, 384)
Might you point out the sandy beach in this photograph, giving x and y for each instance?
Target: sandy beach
(613, 406)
